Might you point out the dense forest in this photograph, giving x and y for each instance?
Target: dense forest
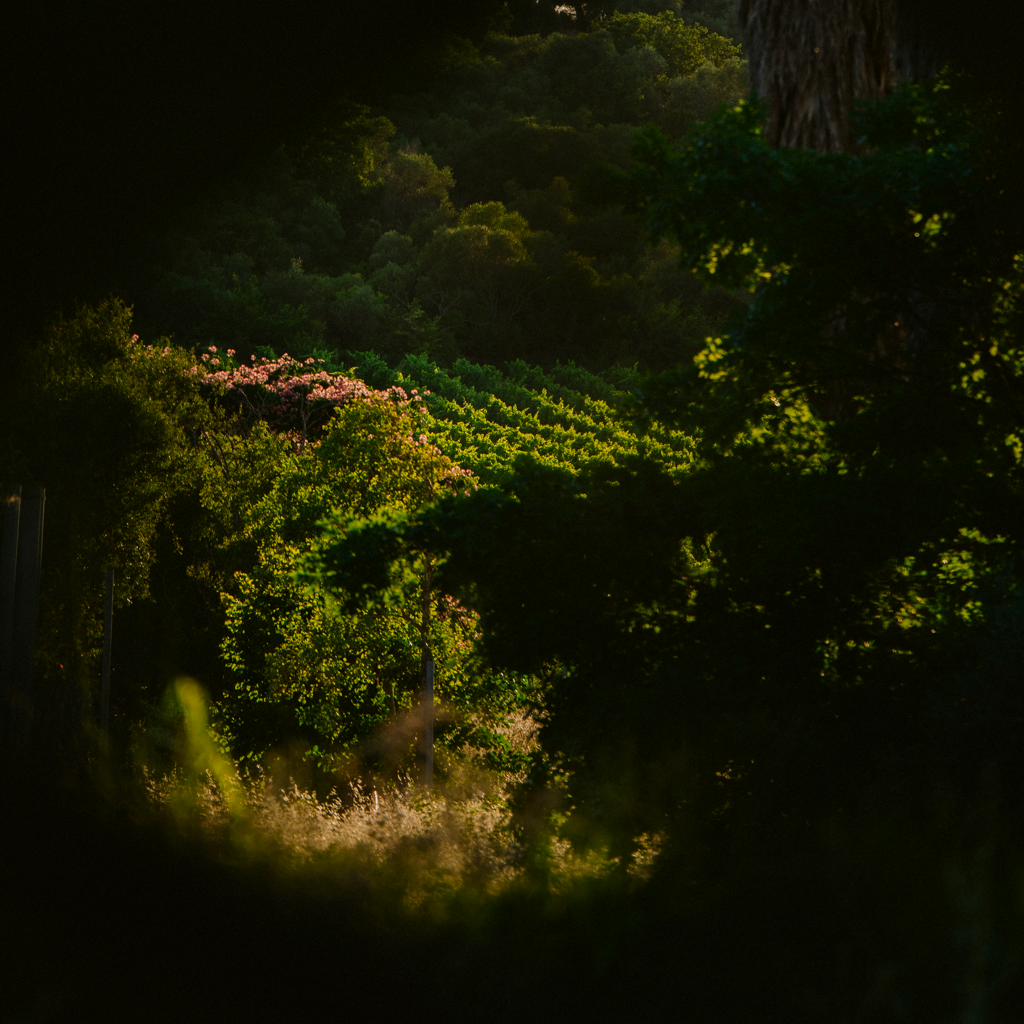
(547, 523)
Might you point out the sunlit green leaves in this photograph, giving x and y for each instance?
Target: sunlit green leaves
(685, 47)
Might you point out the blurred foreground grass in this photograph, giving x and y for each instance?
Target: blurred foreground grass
(196, 894)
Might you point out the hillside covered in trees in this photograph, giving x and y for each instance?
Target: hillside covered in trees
(560, 537)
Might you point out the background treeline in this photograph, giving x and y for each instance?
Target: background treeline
(459, 222)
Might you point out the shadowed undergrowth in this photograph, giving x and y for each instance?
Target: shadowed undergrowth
(172, 901)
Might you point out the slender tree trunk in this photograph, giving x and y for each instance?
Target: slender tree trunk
(428, 704)
(427, 691)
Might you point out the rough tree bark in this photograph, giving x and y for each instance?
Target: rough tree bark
(812, 59)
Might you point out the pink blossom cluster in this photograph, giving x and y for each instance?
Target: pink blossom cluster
(294, 392)
(290, 382)
(148, 351)
(287, 385)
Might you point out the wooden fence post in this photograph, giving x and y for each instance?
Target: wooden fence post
(26, 612)
(10, 516)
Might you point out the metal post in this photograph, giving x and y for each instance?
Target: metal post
(26, 611)
(108, 629)
(10, 516)
(427, 702)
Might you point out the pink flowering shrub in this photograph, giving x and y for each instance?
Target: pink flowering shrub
(296, 656)
(297, 664)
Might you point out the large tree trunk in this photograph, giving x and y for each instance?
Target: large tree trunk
(811, 59)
